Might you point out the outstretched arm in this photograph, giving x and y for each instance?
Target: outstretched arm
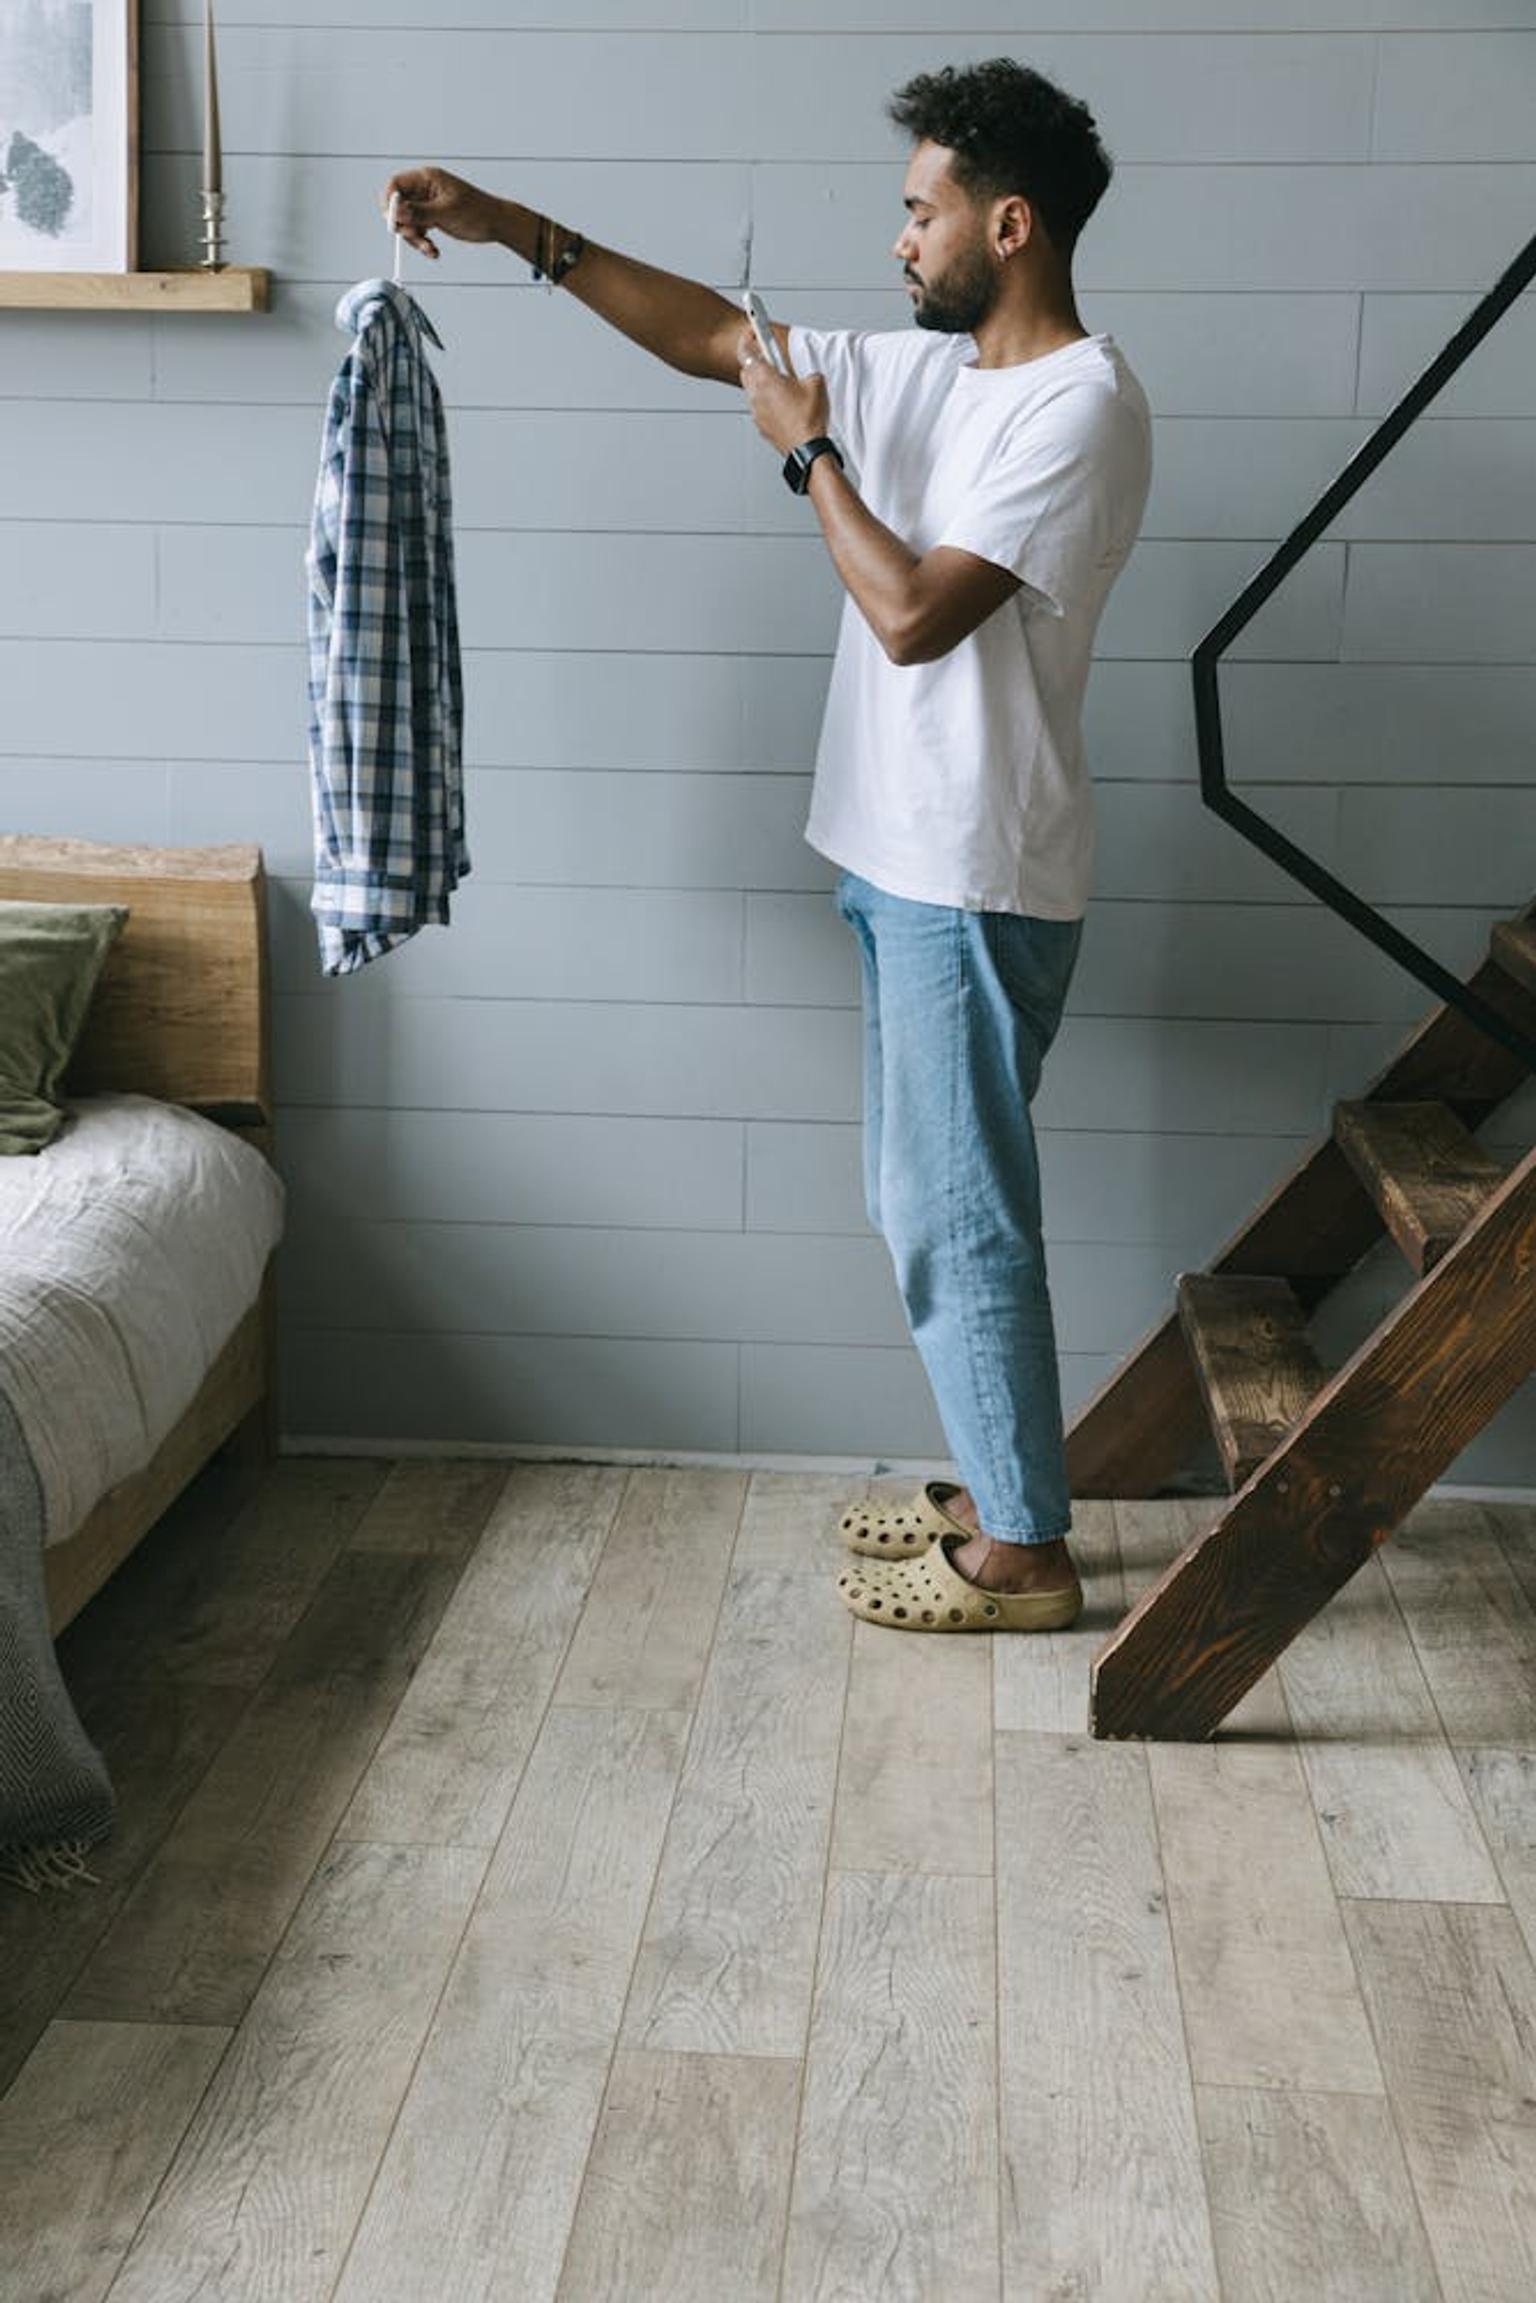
(682, 322)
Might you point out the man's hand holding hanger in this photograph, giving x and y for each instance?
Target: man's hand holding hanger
(430, 200)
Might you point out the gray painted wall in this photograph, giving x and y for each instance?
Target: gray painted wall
(582, 1169)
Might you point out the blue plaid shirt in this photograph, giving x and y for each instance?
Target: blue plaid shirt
(385, 689)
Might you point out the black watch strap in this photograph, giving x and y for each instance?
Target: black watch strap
(797, 464)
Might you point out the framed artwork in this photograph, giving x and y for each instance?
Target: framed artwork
(69, 140)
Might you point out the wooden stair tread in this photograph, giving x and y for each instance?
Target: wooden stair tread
(1253, 1359)
(1427, 1173)
(1512, 946)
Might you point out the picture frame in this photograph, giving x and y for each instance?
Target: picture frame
(69, 135)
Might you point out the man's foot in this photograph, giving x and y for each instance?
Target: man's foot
(1012, 1566)
(931, 1594)
(995, 1566)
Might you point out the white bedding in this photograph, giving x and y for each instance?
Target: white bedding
(130, 1250)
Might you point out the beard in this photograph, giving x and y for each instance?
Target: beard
(956, 303)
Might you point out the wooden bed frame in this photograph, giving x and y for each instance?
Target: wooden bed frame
(181, 1012)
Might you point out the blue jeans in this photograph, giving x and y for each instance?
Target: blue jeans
(959, 1010)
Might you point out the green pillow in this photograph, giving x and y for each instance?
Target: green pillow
(50, 958)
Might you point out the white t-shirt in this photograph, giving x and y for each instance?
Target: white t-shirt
(964, 782)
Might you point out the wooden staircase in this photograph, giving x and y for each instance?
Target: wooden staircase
(1323, 1468)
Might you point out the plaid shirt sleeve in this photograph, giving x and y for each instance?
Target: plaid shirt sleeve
(385, 686)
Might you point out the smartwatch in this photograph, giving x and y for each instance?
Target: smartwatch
(797, 464)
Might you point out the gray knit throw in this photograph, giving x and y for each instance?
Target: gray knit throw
(55, 1795)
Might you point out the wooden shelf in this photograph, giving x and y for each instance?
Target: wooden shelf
(238, 288)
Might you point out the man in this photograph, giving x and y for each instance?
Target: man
(979, 484)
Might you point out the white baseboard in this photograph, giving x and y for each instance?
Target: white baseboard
(841, 1466)
(854, 1466)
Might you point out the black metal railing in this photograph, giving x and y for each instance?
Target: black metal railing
(1214, 789)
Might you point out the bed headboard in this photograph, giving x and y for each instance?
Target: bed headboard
(181, 1008)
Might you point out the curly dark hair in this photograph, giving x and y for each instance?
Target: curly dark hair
(1011, 130)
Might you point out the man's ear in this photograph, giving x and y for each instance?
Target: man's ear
(1012, 222)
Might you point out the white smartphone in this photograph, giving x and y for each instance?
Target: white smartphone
(762, 328)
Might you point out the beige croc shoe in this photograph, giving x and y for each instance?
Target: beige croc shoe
(902, 1530)
(930, 1594)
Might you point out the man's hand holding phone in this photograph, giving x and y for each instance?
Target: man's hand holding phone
(787, 409)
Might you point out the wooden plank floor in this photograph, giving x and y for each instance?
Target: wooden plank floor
(532, 1884)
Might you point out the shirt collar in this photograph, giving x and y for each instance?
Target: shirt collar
(362, 304)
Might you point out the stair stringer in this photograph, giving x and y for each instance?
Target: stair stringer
(1140, 1428)
(1374, 1439)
